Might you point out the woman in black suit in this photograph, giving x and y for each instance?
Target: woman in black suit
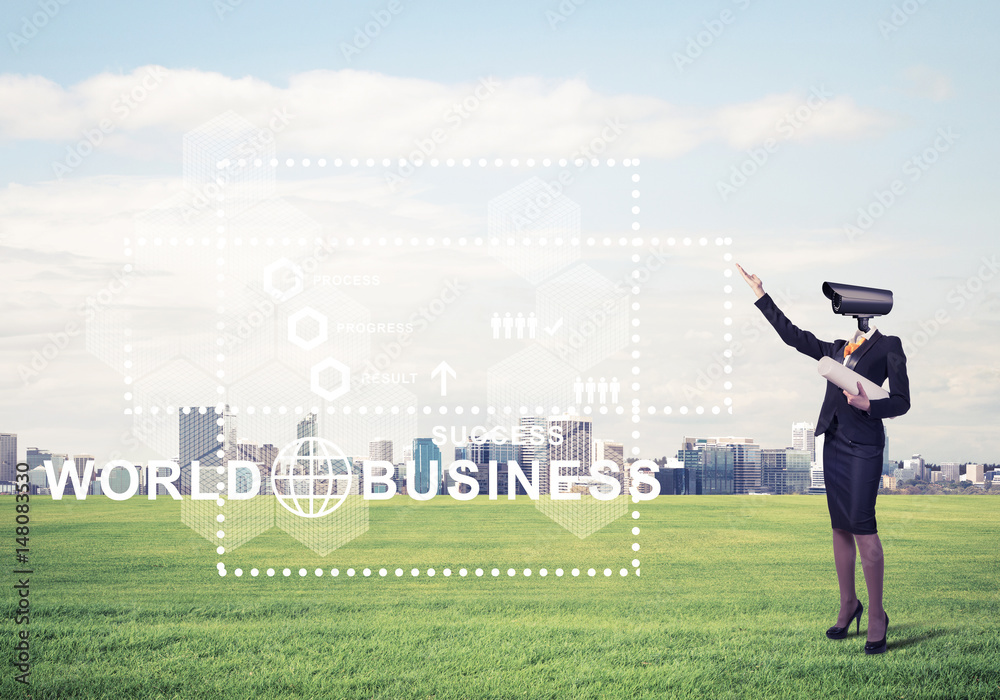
(852, 456)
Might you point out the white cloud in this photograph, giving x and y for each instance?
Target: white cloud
(356, 113)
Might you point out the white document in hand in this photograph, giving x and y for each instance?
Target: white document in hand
(847, 379)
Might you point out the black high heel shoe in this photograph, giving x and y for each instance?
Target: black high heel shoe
(841, 632)
(878, 647)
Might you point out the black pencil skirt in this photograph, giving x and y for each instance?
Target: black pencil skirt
(852, 472)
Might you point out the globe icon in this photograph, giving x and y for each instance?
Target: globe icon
(311, 477)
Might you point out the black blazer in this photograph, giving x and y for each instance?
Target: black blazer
(878, 358)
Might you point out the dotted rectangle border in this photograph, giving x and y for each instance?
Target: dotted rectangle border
(634, 242)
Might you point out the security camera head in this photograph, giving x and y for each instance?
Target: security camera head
(860, 302)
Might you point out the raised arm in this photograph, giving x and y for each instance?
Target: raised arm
(803, 341)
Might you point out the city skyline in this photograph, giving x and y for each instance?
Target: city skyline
(748, 468)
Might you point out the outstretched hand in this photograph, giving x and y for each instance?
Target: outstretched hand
(753, 280)
(860, 400)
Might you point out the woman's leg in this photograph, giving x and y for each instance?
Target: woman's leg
(844, 556)
(873, 564)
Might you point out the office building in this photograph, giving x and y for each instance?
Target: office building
(424, 453)
(746, 459)
(817, 484)
(708, 468)
(904, 474)
(209, 438)
(479, 454)
(306, 428)
(247, 452)
(36, 458)
(887, 465)
(576, 445)
(916, 464)
(380, 449)
(785, 471)
(888, 482)
(804, 438)
(671, 478)
(80, 466)
(536, 452)
(38, 480)
(8, 457)
(975, 473)
(615, 452)
(950, 471)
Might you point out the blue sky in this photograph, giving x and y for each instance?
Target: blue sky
(892, 91)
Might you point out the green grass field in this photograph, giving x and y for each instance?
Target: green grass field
(734, 595)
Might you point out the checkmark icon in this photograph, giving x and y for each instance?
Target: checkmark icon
(556, 326)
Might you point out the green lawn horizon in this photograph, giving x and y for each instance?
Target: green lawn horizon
(734, 595)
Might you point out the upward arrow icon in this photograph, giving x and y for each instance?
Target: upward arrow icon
(444, 369)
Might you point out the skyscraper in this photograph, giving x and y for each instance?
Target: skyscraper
(209, 438)
(804, 438)
(708, 468)
(615, 452)
(746, 464)
(36, 458)
(306, 427)
(536, 450)
(8, 456)
(425, 452)
(974, 473)
(746, 456)
(916, 464)
(817, 484)
(785, 470)
(479, 454)
(80, 466)
(950, 471)
(887, 466)
(576, 445)
(380, 449)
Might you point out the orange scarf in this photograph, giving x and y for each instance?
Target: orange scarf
(851, 347)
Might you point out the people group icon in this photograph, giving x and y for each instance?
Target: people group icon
(597, 392)
(519, 326)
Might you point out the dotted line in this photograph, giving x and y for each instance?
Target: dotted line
(431, 573)
(607, 241)
(220, 357)
(636, 322)
(433, 162)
